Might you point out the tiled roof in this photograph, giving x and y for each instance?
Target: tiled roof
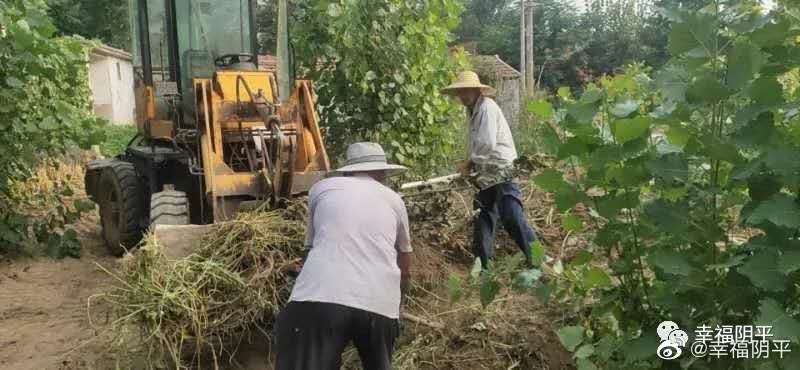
(268, 63)
(108, 51)
(493, 66)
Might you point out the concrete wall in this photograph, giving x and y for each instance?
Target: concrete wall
(111, 82)
(508, 99)
(507, 96)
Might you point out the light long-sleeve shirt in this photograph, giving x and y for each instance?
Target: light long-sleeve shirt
(490, 145)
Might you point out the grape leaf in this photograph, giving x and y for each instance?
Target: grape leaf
(731, 262)
(671, 262)
(670, 217)
(744, 61)
(723, 152)
(784, 161)
(696, 32)
(591, 95)
(573, 146)
(564, 92)
(568, 197)
(542, 292)
(772, 33)
(14, 82)
(537, 253)
(760, 131)
(583, 257)
(783, 326)
(570, 337)
(594, 277)
(582, 112)
(585, 364)
(454, 288)
(572, 223)
(641, 348)
(672, 81)
(489, 289)
(766, 92)
(550, 180)
(708, 90)
(762, 270)
(678, 135)
(526, 279)
(624, 108)
(541, 108)
(625, 130)
(789, 262)
(584, 352)
(781, 210)
(670, 167)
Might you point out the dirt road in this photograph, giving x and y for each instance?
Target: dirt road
(43, 316)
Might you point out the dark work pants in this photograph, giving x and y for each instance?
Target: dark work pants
(313, 335)
(502, 202)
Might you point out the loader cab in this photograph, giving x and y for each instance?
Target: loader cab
(177, 41)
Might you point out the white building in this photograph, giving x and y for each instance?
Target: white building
(111, 81)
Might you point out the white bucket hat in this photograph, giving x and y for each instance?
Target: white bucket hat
(468, 80)
(367, 156)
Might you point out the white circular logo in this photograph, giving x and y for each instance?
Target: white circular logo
(668, 351)
(672, 339)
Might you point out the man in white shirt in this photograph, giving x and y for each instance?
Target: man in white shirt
(490, 165)
(357, 270)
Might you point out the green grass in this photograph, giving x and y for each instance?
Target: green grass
(117, 137)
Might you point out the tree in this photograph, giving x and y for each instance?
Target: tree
(494, 27)
(572, 47)
(106, 20)
(378, 66)
(691, 174)
(45, 111)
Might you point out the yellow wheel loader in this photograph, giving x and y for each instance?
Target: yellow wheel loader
(215, 133)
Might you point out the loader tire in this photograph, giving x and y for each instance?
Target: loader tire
(169, 207)
(121, 207)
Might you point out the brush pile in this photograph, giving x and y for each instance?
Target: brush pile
(201, 305)
(193, 310)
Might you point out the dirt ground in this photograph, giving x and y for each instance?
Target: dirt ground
(43, 309)
(45, 323)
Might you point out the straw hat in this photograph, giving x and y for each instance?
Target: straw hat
(467, 80)
(366, 156)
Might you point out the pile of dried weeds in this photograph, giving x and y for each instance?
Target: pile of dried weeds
(234, 284)
(201, 305)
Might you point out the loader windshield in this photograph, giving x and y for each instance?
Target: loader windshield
(206, 30)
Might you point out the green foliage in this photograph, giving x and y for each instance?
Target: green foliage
(572, 46)
(92, 19)
(117, 138)
(378, 67)
(671, 168)
(570, 336)
(45, 111)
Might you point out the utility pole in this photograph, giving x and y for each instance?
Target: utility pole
(526, 61)
(531, 68)
(522, 56)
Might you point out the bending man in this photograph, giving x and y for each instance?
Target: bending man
(358, 267)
